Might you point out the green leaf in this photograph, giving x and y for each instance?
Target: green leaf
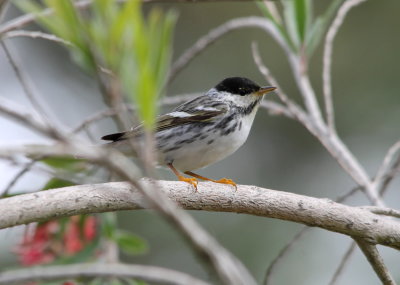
(118, 37)
(280, 28)
(130, 243)
(65, 163)
(319, 27)
(267, 13)
(54, 183)
(298, 16)
(109, 225)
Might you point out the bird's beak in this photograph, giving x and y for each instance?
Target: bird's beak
(265, 90)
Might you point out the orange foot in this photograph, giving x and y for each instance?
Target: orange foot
(226, 181)
(191, 181)
(222, 181)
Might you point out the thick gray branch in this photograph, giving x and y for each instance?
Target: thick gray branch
(323, 213)
(156, 275)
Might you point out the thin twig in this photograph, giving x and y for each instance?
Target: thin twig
(264, 70)
(17, 177)
(26, 19)
(92, 119)
(4, 4)
(27, 85)
(306, 90)
(291, 107)
(35, 167)
(276, 109)
(327, 59)
(90, 135)
(386, 167)
(350, 193)
(153, 274)
(390, 176)
(382, 211)
(371, 253)
(36, 35)
(275, 262)
(344, 261)
(215, 34)
(28, 119)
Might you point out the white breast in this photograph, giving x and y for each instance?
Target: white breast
(215, 147)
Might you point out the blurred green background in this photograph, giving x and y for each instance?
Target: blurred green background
(279, 154)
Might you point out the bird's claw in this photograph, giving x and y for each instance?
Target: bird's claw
(191, 181)
(227, 181)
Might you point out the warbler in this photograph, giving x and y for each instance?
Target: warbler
(204, 130)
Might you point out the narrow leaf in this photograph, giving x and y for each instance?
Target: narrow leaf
(320, 26)
(130, 243)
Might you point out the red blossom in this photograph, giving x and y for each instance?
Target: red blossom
(89, 228)
(33, 249)
(33, 256)
(42, 244)
(72, 239)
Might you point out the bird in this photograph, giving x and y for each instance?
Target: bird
(203, 130)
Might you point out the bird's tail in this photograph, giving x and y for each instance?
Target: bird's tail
(114, 137)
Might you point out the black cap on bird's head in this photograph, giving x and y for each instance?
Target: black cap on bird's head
(241, 86)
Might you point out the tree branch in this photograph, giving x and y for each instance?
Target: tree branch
(152, 274)
(83, 199)
(376, 261)
(228, 268)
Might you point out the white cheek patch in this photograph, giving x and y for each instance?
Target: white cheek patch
(178, 114)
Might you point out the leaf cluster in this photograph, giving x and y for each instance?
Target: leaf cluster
(299, 28)
(116, 37)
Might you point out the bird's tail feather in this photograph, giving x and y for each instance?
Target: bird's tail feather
(114, 137)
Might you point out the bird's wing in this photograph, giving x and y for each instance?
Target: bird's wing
(200, 109)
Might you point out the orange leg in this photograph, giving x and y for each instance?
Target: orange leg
(222, 181)
(191, 181)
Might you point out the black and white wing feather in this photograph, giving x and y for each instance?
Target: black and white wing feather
(198, 110)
